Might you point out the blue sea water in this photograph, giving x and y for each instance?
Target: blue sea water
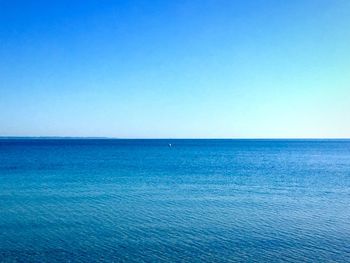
(197, 201)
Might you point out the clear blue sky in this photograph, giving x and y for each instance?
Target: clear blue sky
(174, 69)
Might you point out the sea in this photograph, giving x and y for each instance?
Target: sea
(111, 200)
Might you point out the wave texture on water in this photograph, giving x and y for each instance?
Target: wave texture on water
(197, 201)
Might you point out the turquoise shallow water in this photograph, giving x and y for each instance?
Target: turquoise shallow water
(197, 201)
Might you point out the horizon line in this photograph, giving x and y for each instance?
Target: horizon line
(168, 138)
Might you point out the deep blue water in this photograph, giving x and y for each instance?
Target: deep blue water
(198, 201)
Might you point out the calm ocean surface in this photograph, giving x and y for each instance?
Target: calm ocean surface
(197, 201)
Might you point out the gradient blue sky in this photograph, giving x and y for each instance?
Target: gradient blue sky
(174, 69)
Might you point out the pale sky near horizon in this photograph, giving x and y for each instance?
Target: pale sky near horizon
(175, 68)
